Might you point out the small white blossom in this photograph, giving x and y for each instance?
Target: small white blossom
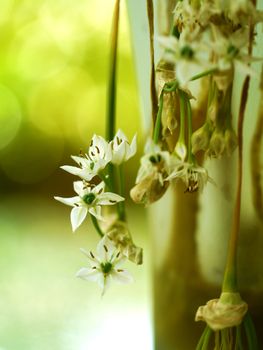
(154, 161)
(232, 51)
(89, 200)
(122, 150)
(105, 265)
(98, 156)
(189, 53)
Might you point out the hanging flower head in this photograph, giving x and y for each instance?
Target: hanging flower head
(89, 200)
(105, 265)
(150, 184)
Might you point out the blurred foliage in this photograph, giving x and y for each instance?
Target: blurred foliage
(53, 82)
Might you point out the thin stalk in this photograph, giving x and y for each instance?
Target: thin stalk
(190, 157)
(121, 205)
(111, 110)
(181, 137)
(203, 74)
(157, 126)
(230, 276)
(96, 225)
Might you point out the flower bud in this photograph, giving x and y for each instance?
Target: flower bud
(170, 113)
(149, 189)
(201, 137)
(230, 141)
(217, 144)
(122, 239)
(180, 150)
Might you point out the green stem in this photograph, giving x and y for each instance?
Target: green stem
(203, 74)
(121, 205)
(96, 225)
(157, 127)
(190, 157)
(181, 137)
(110, 125)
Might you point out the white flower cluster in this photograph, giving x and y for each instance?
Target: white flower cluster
(210, 34)
(91, 197)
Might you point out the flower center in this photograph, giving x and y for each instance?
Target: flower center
(106, 267)
(89, 198)
(232, 50)
(155, 158)
(187, 52)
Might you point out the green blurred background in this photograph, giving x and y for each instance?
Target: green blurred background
(53, 80)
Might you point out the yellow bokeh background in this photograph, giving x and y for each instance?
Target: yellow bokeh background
(53, 87)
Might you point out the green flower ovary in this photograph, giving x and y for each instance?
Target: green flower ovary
(232, 50)
(89, 198)
(187, 52)
(106, 267)
(155, 158)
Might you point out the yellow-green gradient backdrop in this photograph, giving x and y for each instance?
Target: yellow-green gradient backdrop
(53, 80)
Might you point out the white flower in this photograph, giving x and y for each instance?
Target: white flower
(89, 200)
(98, 156)
(194, 176)
(122, 150)
(232, 51)
(189, 53)
(154, 161)
(105, 265)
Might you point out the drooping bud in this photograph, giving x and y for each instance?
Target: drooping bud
(170, 113)
(122, 239)
(149, 189)
(217, 144)
(230, 141)
(201, 138)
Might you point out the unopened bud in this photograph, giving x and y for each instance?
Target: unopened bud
(230, 141)
(149, 189)
(201, 138)
(217, 144)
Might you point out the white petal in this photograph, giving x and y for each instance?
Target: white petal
(120, 135)
(68, 201)
(83, 173)
(105, 249)
(77, 216)
(94, 261)
(122, 276)
(118, 154)
(96, 211)
(89, 274)
(99, 188)
(133, 147)
(109, 198)
(78, 187)
(105, 283)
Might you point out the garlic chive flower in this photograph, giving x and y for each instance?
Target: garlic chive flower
(122, 150)
(150, 183)
(89, 200)
(105, 265)
(195, 177)
(91, 163)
